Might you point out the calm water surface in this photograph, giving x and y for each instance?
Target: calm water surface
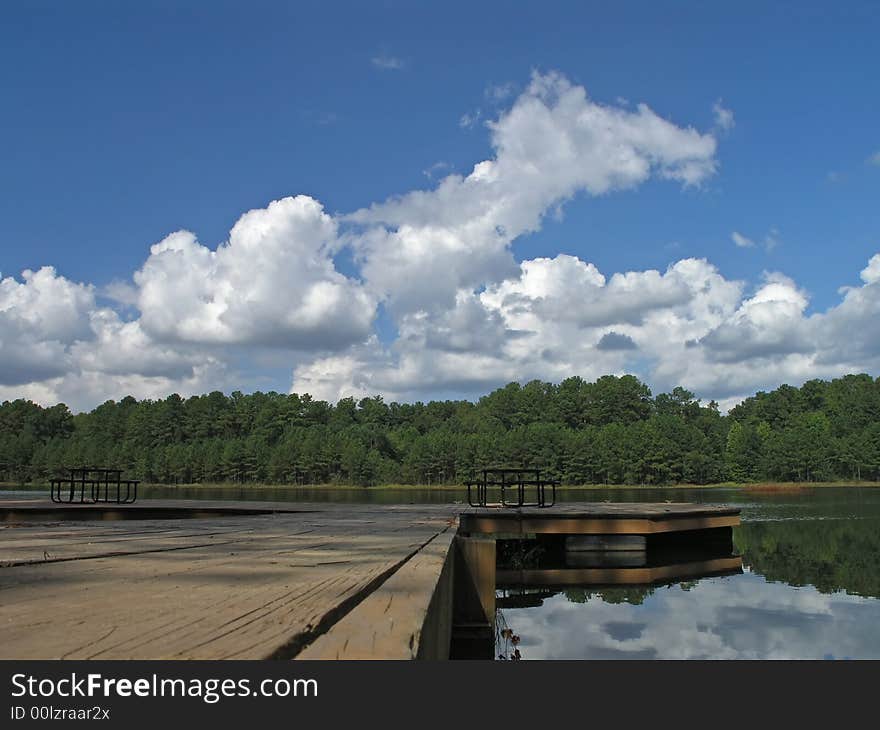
(810, 587)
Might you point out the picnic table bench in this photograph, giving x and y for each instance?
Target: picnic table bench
(512, 481)
(90, 485)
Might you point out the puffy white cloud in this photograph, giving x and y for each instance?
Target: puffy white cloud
(468, 316)
(559, 317)
(871, 273)
(419, 249)
(771, 338)
(28, 359)
(273, 283)
(769, 323)
(427, 254)
(39, 317)
(686, 326)
(566, 288)
(84, 389)
(57, 344)
(408, 371)
(47, 304)
(850, 332)
(340, 376)
(468, 327)
(123, 348)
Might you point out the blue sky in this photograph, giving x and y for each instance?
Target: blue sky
(124, 123)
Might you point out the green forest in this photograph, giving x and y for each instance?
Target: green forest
(611, 431)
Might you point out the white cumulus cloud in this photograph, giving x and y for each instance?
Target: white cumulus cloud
(57, 344)
(419, 249)
(273, 283)
(463, 313)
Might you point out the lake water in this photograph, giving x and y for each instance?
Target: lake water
(810, 587)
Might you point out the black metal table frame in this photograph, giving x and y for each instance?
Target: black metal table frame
(519, 482)
(66, 491)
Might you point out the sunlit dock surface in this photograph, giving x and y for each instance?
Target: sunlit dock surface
(211, 580)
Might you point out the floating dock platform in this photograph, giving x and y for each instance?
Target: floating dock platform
(173, 579)
(604, 518)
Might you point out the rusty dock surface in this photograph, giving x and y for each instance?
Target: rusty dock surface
(176, 579)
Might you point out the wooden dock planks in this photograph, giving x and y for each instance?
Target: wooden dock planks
(389, 623)
(238, 587)
(258, 579)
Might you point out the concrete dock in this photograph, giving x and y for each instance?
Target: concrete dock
(213, 580)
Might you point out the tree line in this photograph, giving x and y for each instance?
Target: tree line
(611, 431)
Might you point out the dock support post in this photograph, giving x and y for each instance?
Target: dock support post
(473, 632)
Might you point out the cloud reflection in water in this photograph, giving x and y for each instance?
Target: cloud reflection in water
(734, 617)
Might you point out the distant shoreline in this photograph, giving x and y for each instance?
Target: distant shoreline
(745, 486)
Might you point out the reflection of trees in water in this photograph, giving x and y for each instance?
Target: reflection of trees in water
(831, 555)
(507, 641)
(518, 554)
(634, 595)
